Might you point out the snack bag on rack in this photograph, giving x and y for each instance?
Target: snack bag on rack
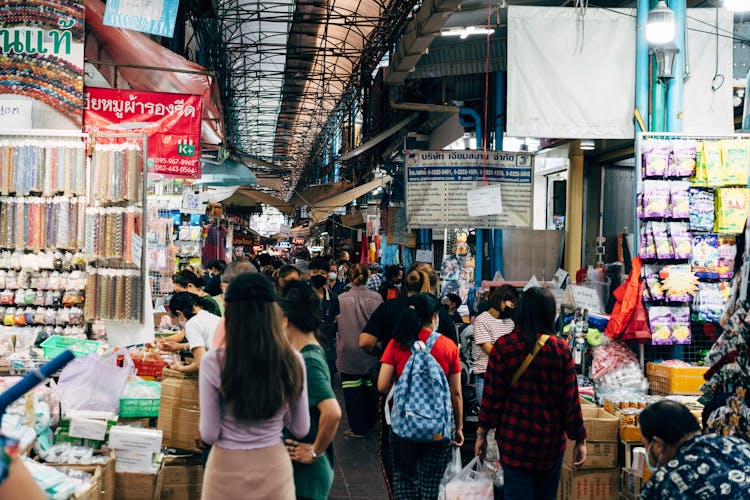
(701, 207)
(731, 210)
(660, 319)
(682, 163)
(656, 155)
(679, 199)
(700, 178)
(735, 156)
(714, 168)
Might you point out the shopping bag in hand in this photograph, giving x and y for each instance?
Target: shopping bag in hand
(451, 472)
(474, 482)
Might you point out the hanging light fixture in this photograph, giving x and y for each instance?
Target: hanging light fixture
(737, 5)
(588, 144)
(665, 57)
(660, 26)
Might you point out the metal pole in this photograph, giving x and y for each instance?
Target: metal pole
(676, 85)
(641, 63)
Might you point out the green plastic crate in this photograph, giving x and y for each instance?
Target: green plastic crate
(57, 344)
(140, 407)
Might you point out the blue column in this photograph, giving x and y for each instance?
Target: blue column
(641, 63)
(496, 244)
(479, 257)
(676, 85)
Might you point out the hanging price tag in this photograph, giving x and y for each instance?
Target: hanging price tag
(484, 201)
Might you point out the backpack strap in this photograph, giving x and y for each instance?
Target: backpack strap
(432, 340)
(529, 358)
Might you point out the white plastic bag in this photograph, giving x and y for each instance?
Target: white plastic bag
(474, 482)
(94, 383)
(451, 471)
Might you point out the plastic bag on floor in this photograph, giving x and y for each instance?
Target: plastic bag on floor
(474, 482)
(451, 471)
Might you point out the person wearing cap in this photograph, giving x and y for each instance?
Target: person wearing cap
(375, 281)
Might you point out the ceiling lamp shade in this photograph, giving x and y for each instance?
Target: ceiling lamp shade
(587, 144)
(660, 26)
(737, 5)
(227, 173)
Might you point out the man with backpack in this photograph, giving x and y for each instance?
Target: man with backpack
(427, 403)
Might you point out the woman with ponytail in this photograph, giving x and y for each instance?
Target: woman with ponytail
(360, 394)
(198, 327)
(418, 467)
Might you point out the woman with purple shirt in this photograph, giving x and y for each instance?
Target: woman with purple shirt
(250, 391)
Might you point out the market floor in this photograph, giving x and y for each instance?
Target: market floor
(358, 475)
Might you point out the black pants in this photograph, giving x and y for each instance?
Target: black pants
(384, 448)
(418, 468)
(361, 399)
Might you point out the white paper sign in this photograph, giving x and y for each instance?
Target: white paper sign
(191, 202)
(424, 256)
(137, 250)
(15, 114)
(485, 200)
(586, 298)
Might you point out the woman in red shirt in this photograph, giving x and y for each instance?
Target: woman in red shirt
(419, 467)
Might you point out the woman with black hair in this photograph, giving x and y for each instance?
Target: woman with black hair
(531, 400)
(312, 455)
(249, 391)
(198, 326)
(187, 281)
(418, 467)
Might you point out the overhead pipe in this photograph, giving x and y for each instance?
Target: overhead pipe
(676, 85)
(472, 113)
(641, 65)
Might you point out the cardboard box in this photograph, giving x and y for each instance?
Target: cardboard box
(182, 477)
(599, 454)
(601, 426)
(590, 484)
(94, 491)
(130, 486)
(179, 411)
(106, 475)
(630, 434)
(631, 484)
(135, 438)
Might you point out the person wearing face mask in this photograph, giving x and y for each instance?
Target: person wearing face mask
(329, 310)
(687, 464)
(199, 326)
(489, 327)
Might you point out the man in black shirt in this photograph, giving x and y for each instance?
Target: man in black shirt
(329, 309)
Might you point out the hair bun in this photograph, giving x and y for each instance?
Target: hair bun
(250, 287)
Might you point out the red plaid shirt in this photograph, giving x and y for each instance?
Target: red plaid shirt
(532, 418)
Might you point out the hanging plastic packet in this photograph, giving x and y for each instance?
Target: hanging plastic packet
(681, 325)
(678, 281)
(663, 244)
(711, 301)
(735, 157)
(700, 176)
(701, 207)
(653, 284)
(682, 163)
(679, 233)
(656, 158)
(705, 259)
(639, 205)
(660, 320)
(679, 199)
(731, 210)
(727, 255)
(714, 168)
(656, 199)
(647, 248)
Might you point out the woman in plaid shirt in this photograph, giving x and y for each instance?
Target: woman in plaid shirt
(533, 417)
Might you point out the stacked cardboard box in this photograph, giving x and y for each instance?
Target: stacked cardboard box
(179, 411)
(599, 478)
(106, 473)
(132, 486)
(182, 477)
(136, 449)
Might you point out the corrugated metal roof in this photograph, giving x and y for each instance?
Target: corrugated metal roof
(462, 57)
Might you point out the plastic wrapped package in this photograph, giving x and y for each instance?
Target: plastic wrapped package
(616, 368)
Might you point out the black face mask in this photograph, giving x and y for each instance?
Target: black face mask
(318, 281)
(507, 314)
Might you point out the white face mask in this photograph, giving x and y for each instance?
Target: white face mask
(437, 324)
(332, 276)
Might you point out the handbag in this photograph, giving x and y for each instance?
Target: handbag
(529, 358)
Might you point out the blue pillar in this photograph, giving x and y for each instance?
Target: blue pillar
(479, 257)
(641, 63)
(676, 85)
(472, 113)
(496, 244)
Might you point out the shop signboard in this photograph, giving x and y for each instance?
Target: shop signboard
(156, 17)
(437, 184)
(172, 122)
(41, 58)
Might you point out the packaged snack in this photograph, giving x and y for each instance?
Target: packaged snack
(656, 199)
(731, 210)
(681, 325)
(682, 163)
(653, 284)
(660, 319)
(714, 169)
(656, 157)
(710, 301)
(701, 209)
(679, 199)
(678, 282)
(735, 157)
(638, 213)
(705, 259)
(727, 253)
(647, 249)
(663, 244)
(679, 233)
(700, 178)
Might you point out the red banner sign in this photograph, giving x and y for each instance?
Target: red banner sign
(172, 122)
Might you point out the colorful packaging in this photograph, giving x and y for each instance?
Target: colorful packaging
(653, 284)
(727, 253)
(735, 158)
(664, 249)
(710, 301)
(647, 248)
(700, 177)
(681, 325)
(682, 245)
(701, 207)
(660, 320)
(656, 199)
(678, 281)
(731, 210)
(682, 163)
(705, 259)
(714, 168)
(638, 206)
(655, 158)
(679, 199)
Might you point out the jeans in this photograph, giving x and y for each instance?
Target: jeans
(479, 387)
(539, 485)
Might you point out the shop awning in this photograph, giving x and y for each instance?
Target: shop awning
(378, 138)
(246, 197)
(319, 211)
(132, 54)
(228, 173)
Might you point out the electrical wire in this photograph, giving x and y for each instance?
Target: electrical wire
(486, 94)
(718, 80)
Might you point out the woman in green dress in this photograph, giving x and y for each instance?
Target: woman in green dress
(312, 456)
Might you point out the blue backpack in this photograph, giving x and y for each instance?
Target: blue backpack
(422, 407)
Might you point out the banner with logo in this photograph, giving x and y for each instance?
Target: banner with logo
(41, 59)
(437, 184)
(156, 17)
(172, 122)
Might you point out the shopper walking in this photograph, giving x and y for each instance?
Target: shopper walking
(418, 467)
(249, 390)
(329, 310)
(391, 288)
(213, 284)
(187, 281)
(360, 394)
(687, 464)
(234, 269)
(489, 327)
(313, 454)
(198, 328)
(531, 400)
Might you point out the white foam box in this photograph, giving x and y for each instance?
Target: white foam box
(135, 438)
(135, 461)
